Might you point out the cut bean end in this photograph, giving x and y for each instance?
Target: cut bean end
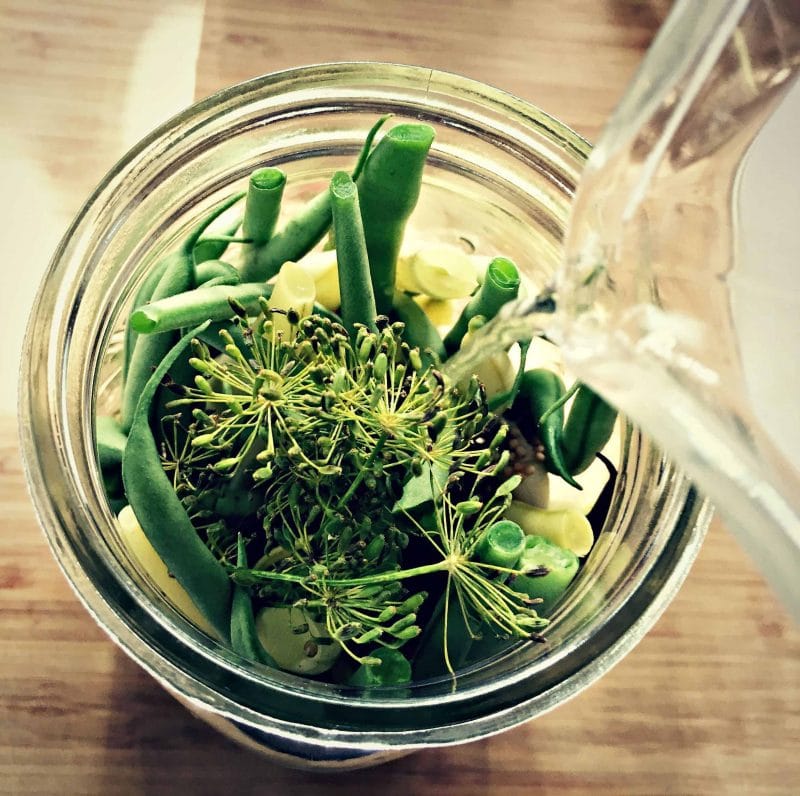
(415, 135)
(342, 185)
(267, 179)
(142, 322)
(503, 273)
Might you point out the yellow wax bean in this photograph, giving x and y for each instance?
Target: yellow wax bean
(443, 314)
(322, 267)
(297, 652)
(496, 371)
(294, 290)
(440, 271)
(566, 528)
(563, 496)
(139, 545)
(534, 489)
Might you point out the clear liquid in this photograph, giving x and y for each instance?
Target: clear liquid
(650, 307)
(754, 490)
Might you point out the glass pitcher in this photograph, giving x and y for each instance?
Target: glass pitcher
(679, 300)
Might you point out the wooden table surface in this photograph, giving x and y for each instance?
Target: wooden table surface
(709, 702)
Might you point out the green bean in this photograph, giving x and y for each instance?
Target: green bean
(393, 669)
(244, 638)
(208, 303)
(355, 287)
(218, 280)
(109, 457)
(111, 441)
(539, 413)
(151, 280)
(195, 306)
(215, 269)
(195, 235)
(366, 149)
(419, 331)
(161, 515)
(143, 295)
(149, 350)
(589, 427)
(181, 373)
(296, 239)
(110, 445)
(263, 204)
(112, 485)
(388, 190)
(501, 545)
(112, 482)
(500, 286)
(547, 572)
(213, 247)
(116, 499)
(304, 231)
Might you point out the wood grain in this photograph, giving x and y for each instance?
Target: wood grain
(708, 703)
(569, 57)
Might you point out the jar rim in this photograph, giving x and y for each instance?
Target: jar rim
(41, 424)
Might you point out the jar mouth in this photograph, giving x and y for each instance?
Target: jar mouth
(73, 319)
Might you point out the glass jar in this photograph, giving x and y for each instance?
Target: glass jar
(502, 174)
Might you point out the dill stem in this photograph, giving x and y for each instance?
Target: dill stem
(368, 580)
(362, 473)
